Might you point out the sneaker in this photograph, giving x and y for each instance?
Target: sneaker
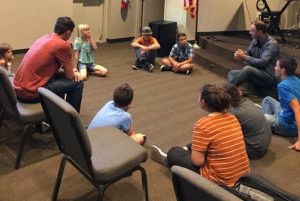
(166, 68)
(158, 155)
(258, 105)
(136, 65)
(149, 67)
(189, 71)
(163, 68)
(45, 127)
(145, 139)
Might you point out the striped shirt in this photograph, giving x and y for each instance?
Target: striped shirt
(220, 138)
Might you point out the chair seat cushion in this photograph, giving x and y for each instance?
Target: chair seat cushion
(114, 153)
(30, 112)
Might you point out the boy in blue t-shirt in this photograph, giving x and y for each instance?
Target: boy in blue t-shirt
(284, 116)
(114, 113)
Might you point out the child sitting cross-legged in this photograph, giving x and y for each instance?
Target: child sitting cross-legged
(84, 46)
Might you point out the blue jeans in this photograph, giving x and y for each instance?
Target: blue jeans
(252, 75)
(271, 109)
(149, 56)
(63, 86)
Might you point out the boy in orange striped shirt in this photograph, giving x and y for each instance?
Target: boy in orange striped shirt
(218, 150)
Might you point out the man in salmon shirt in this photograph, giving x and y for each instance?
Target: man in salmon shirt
(48, 63)
(145, 50)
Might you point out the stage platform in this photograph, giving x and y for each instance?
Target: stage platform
(216, 53)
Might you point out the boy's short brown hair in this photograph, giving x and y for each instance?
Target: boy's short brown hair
(123, 95)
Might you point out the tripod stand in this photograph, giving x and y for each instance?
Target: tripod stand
(274, 19)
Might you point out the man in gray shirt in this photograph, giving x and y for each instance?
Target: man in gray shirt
(259, 57)
(257, 132)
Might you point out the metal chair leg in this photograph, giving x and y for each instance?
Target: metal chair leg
(2, 116)
(144, 183)
(26, 133)
(101, 190)
(59, 178)
(2, 113)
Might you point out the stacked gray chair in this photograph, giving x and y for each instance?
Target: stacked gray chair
(190, 186)
(103, 155)
(29, 115)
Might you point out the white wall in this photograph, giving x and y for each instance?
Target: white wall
(293, 15)
(122, 24)
(25, 21)
(153, 11)
(174, 12)
(91, 15)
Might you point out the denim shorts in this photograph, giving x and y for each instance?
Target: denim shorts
(90, 67)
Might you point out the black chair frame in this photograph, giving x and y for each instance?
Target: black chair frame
(13, 113)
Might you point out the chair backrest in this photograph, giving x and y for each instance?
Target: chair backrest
(8, 98)
(190, 186)
(70, 134)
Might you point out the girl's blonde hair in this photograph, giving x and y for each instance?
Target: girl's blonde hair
(81, 28)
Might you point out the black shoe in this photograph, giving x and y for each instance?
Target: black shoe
(43, 127)
(163, 68)
(159, 156)
(46, 127)
(149, 67)
(136, 65)
(145, 139)
(188, 72)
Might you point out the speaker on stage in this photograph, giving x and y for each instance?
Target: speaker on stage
(165, 32)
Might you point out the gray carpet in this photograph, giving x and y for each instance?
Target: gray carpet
(164, 108)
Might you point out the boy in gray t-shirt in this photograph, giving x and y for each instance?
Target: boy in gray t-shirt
(257, 132)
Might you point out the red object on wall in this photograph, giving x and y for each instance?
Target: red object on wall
(124, 4)
(190, 6)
